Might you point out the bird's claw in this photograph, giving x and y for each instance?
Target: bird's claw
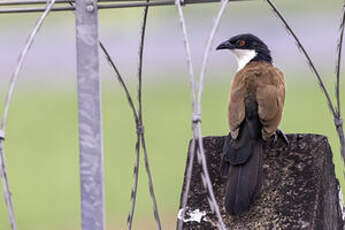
(275, 138)
(280, 134)
(283, 136)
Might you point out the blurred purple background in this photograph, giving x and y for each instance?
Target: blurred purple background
(52, 56)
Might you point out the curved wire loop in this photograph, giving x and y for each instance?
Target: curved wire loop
(13, 81)
(196, 118)
(338, 120)
(194, 108)
(139, 127)
(137, 123)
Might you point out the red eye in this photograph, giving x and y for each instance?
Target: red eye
(241, 43)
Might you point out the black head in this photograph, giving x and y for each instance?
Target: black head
(248, 42)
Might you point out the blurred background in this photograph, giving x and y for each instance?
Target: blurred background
(42, 135)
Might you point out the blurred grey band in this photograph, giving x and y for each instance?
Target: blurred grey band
(128, 4)
(37, 2)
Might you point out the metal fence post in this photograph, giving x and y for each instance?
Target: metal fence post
(90, 116)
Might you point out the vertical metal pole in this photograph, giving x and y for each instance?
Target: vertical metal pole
(90, 117)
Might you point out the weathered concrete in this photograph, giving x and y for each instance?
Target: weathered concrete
(300, 190)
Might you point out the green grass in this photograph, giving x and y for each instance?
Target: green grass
(42, 148)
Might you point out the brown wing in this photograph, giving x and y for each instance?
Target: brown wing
(267, 85)
(236, 107)
(270, 96)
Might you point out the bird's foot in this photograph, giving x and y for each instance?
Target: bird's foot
(279, 134)
(274, 139)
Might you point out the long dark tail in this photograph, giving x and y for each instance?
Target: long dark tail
(244, 160)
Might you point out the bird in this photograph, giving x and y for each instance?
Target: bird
(255, 108)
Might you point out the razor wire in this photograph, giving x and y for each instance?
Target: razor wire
(141, 123)
(196, 117)
(339, 124)
(140, 139)
(13, 81)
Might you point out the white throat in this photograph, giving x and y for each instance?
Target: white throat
(243, 57)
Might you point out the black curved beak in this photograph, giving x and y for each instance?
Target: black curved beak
(225, 45)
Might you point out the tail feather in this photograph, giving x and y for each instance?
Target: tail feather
(244, 182)
(244, 160)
